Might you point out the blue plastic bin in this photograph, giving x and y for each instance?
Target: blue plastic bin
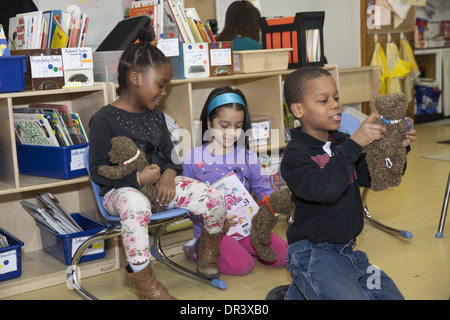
(63, 247)
(10, 258)
(53, 162)
(12, 73)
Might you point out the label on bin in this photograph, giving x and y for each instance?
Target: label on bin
(77, 159)
(95, 248)
(8, 261)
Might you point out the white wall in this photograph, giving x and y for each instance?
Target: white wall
(341, 28)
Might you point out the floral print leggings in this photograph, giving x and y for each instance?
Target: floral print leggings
(134, 210)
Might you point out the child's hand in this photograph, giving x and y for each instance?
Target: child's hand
(411, 134)
(150, 174)
(369, 131)
(166, 187)
(231, 221)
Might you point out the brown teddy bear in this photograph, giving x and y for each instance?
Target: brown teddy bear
(128, 159)
(265, 220)
(386, 158)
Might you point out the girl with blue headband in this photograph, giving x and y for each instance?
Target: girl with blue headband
(226, 129)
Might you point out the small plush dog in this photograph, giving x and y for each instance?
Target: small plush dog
(386, 158)
(265, 220)
(128, 159)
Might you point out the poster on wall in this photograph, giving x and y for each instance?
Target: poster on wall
(103, 15)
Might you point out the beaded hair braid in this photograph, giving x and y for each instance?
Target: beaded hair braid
(140, 57)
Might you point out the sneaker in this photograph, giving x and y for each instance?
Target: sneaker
(277, 293)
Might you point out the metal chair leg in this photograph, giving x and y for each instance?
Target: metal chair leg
(368, 216)
(439, 233)
(73, 271)
(158, 253)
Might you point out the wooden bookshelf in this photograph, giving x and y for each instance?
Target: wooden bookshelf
(184, 101)
(39, 268)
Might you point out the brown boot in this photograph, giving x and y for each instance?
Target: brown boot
(207, 249)
(148, 287)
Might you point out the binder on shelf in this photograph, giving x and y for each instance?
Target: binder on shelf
(125, 33)
(303, 33)
(221, 59)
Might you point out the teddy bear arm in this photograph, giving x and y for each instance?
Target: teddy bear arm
(111, 172)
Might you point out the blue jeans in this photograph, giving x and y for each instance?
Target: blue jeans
(326, 271)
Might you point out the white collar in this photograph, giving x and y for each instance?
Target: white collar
(390, 121)
(131, 159)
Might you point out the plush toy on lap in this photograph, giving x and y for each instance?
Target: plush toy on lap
(128, 159)
(265, 220)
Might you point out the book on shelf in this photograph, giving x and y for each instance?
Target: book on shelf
(152, 8)
(34, 129)
(239, 202)
(64, 126)
(47, 29)
(77, 121)
(188, 22)
(51, 214)
(59, 37)
(64, 114)
(50, 202)
(4, 49)
(3, 241)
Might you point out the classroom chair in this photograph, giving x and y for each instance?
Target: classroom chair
(113, 229)
(349, 124)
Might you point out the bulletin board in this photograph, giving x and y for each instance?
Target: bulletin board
(103, 15)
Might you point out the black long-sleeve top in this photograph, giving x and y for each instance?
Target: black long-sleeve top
(147, 129)
(325, 190)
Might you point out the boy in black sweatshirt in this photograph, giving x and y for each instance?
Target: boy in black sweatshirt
(324, 169)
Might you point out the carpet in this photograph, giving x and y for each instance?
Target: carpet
(439, 156)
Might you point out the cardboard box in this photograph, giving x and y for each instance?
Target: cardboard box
(250, 61)
(196, 60)
(221, 59)
(78, 65)
(44, 68)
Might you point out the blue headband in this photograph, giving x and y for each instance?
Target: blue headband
(225, 98)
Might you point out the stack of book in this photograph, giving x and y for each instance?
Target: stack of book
(48, 125)
(47, 29)
(51, 214)
(3, 241)
(189, 24)
(167, 12)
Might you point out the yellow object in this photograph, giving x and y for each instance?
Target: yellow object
(407, 54)
(379, 60)
(397, 67)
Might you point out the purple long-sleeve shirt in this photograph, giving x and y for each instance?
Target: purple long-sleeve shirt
(202, 165)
